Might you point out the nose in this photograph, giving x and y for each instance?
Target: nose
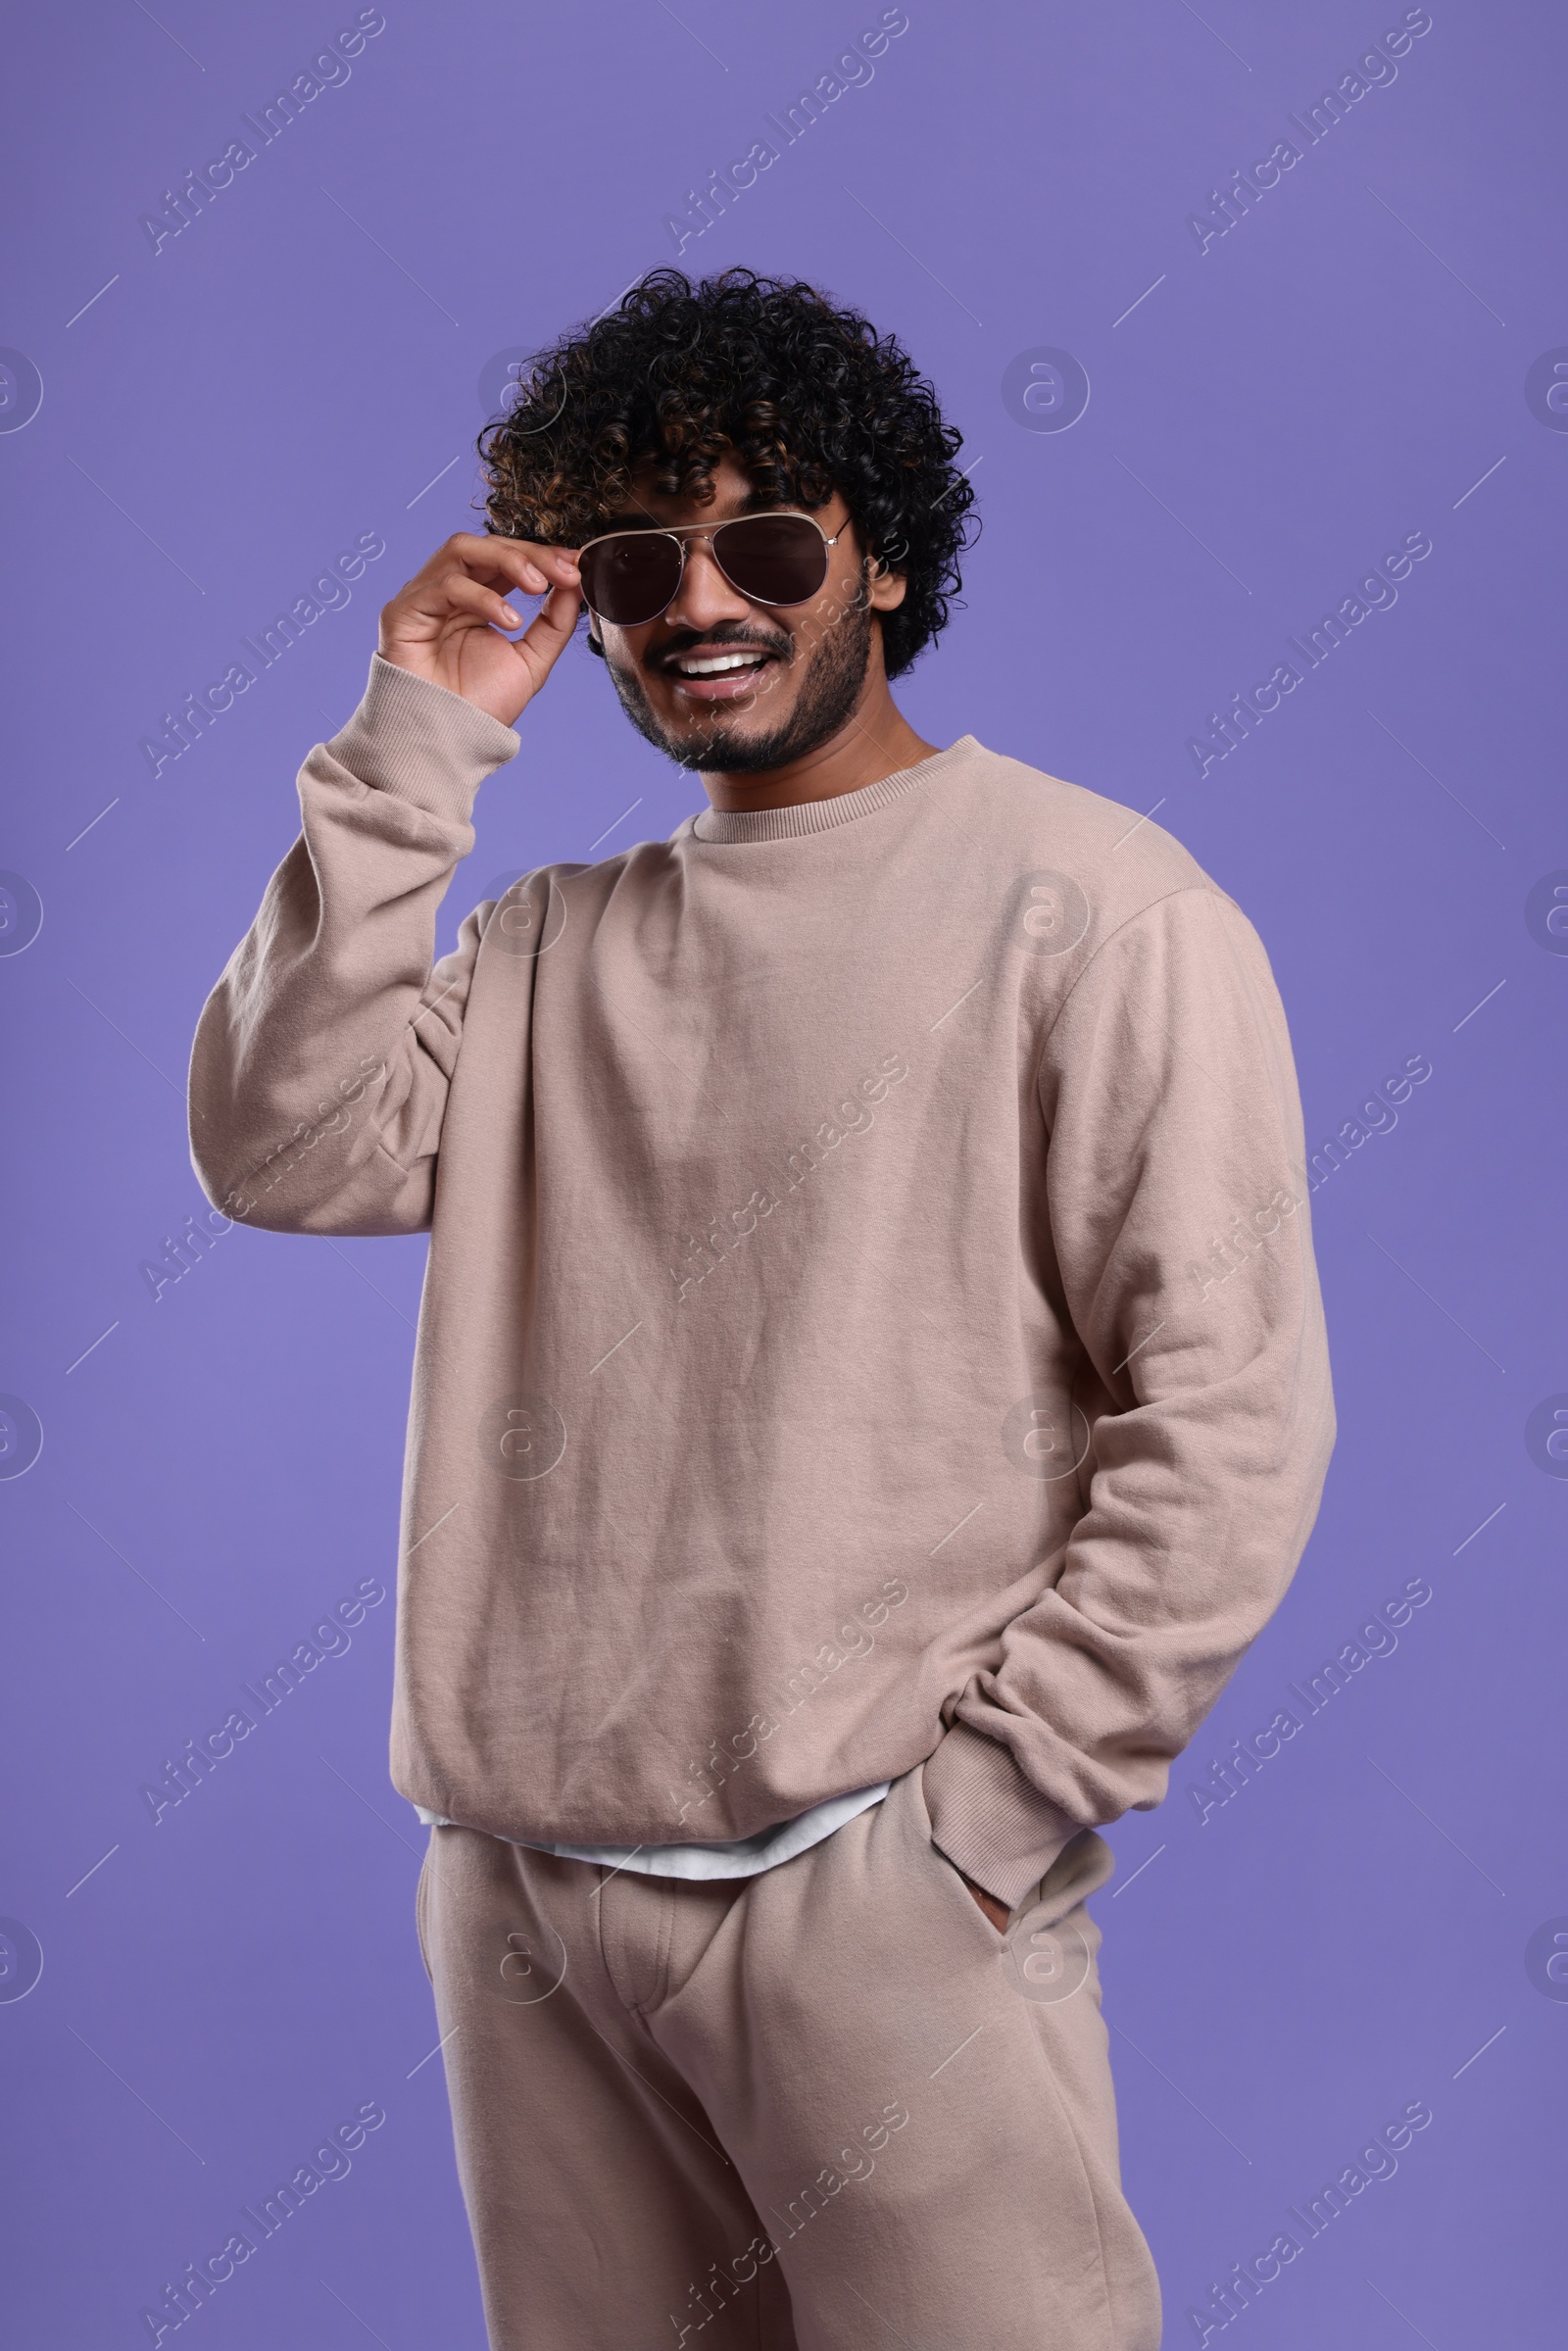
(705, 596)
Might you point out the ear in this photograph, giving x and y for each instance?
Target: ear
(887, 586)
(594, 646)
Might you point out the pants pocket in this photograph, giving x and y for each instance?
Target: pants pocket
(961, 1885)
(957, 1888)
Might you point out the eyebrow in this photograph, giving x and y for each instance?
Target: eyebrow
(756, 502)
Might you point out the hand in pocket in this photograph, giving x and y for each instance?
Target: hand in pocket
(996, 1911)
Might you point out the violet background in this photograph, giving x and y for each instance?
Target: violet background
(301, 366)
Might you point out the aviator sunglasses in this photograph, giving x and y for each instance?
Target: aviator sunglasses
(629, 576)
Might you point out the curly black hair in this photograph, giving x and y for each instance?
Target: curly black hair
(807, 396)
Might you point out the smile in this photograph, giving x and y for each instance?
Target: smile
(706, 665)
(717, 676)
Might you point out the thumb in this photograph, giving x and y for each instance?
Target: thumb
(542, 642)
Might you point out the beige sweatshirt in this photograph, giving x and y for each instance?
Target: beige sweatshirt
(871, 1312)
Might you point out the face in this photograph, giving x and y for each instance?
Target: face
(806, 667)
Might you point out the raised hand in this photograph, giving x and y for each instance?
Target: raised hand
(445, 623)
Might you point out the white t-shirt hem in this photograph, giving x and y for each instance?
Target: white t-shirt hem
(745, 1857)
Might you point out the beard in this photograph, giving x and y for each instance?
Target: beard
(834, 675)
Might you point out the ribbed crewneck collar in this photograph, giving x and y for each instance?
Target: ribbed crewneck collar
(822, 815)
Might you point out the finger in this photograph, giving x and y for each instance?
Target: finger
(554, 622)
(488, 556)
(457, 593)
(436, 594)
(550, 631)
(519, 571)
(533, 570)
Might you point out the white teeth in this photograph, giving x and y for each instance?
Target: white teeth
(709, 667)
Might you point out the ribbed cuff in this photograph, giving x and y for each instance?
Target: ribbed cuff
(420, 743)
(986, 1817)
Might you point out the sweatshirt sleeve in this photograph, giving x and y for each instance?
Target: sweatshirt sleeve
(1179, 1229)
(319, 1070)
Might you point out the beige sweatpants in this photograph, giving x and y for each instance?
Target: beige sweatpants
(821, 2109)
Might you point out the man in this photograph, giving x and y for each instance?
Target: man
(870, 1384)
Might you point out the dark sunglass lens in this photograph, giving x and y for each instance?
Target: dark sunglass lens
(774, 559)
(630, 577)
